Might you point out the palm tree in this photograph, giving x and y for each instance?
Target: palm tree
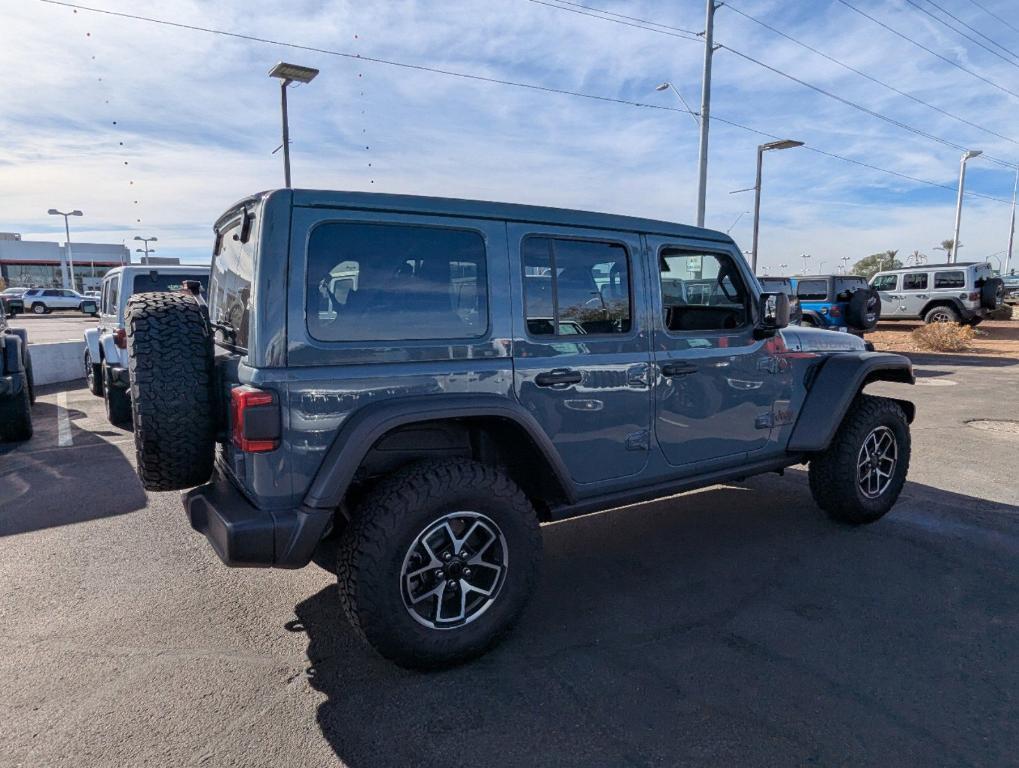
(917, 257)
(946, 246)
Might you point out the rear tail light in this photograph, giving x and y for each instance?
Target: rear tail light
(255, 426)
(836, 312)
(974, 296)
(120, 338)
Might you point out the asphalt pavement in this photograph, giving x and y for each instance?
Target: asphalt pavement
(57, 326)
(731, 626)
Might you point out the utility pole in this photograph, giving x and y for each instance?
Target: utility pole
(1011, 226)
(705, 116)
(969, 154)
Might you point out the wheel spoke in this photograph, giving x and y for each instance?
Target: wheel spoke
(436, 590)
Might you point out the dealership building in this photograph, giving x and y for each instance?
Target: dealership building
(41, 264)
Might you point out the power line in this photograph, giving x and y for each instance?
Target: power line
(959, 32)
(604, 14)
(973, 29)
(873, 79)
(497, 81)
(834, 96)
(994, 15)
(931, 51)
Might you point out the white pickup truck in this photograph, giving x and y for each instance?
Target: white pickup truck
(106, 344)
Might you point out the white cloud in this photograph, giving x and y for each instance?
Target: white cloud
(199, 118)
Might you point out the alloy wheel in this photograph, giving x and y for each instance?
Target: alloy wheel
(454, 570)
(875, 463)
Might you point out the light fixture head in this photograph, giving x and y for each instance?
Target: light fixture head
(663, 87)
(54, 212)
(76, 212)
(971, 153)
(294, 73)
(783, 144)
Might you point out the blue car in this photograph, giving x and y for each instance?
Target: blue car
(838, 303)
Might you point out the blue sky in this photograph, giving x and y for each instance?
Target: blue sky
(154, 130)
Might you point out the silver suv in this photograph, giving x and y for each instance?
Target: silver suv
(939, 293)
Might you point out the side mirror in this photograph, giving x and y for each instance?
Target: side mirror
(774, 314)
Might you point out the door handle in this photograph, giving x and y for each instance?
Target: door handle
(678, 369)
(558, 377)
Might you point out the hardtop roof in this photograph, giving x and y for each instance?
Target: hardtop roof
(481, 209)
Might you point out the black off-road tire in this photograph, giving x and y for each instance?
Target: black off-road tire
(864, 310)
(372, 549)
(93, 375)
(833, 473)
(16, 410)
(941, 314)
(117, 401)
(172, 399)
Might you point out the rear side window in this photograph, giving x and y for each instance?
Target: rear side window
(112, 296)
(232, 269)
(885, 282)
(915, 282)
(390, 282)
(812, 290)
(949, 279)
(849, 284)
(575, 287)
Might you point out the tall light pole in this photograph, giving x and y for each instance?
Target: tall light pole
(287, 74)
(147, 251)
(705, 116)
(819, 265)
(806, 258)
(845, 260)
(761, 149)
(967, 155)
(67, 240)
(1011, 225)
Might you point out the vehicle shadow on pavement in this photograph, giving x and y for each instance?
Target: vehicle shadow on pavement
(43, 485)
(733, 626)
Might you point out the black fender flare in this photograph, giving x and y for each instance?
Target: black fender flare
(366, 426)
(832, 388)
(954, 301)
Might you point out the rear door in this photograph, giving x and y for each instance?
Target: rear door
(581, 345)
(914, 294)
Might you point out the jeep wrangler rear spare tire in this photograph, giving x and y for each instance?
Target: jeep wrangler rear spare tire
(438, 562)
(864, 309)
(992, 293)
(172, 399)
(860, 475)
(15, 410)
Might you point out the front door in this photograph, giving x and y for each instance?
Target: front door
(720, 392)
(887, 287)
(581, 349)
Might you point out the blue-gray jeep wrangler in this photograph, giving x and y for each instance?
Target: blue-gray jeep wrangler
(419, 382)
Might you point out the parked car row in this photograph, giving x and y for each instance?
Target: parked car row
(42, 301)
(844, 303)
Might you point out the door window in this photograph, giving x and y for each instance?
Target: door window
(52, 292)
(949, 279)
(915, 282)
(701, 291)
(575, 287)
(112, 295)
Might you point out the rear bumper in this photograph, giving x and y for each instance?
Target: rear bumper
(245, 536)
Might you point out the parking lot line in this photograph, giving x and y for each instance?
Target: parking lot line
(64, 438)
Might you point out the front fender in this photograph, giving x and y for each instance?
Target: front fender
(833, 386)
(92, 344)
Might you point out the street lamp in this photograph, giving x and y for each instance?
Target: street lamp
(147, 251)
(1011, 223)
(783, 144)
(967, 155)
(701, 175)
(805, 257)
(67, 233)
(287, 74)
(742, 214)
